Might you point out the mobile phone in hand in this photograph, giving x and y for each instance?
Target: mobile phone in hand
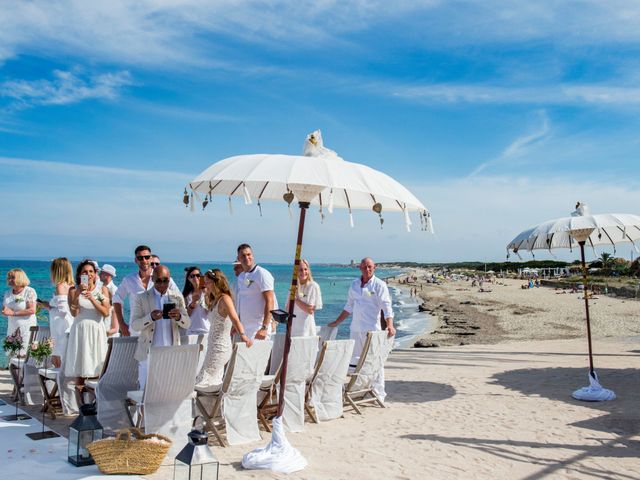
(84, 279)
(201, 282)
(166, 308)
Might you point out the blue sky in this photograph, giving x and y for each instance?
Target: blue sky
(497, 115)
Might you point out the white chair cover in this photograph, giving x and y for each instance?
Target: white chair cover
(302, 358)
(326, 393)
(239, 401)
(171, 377)
(327, 333)
(276, 352)
(30, 383)
(373, 365)
(197, 339)
(120, 377)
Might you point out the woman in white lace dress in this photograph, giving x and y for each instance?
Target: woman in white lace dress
(19, 305)
(308, 300)
(89, 304)
(222, 316)
(60, 318)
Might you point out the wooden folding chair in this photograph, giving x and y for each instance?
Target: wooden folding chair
(16, 369)
(48, 379)
(308, 406)
(359, 385)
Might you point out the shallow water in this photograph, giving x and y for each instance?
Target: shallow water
(334, 282)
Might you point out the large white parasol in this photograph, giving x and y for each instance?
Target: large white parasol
(319, 177)
(578, 230)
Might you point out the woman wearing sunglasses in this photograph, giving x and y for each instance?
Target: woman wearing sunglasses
(192, 293)
(222, 315)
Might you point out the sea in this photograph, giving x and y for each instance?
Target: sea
(334, 281)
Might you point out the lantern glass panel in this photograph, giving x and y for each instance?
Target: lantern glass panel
(208, 471)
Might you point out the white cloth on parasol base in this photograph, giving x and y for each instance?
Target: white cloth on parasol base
(278, 455)
(594, 392)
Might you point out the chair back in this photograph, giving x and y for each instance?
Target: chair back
(240, 388)
(374, 353)
(276, 352)
(326, 392)
(167, 399)
(119, 375)
(37, 334)
(300, 366)
(327, 333)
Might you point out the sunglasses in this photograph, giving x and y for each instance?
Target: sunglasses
(143, 257)
(162, 280)
(155, 264)
(194, 275)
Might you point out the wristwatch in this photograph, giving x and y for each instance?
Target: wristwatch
(263, 327)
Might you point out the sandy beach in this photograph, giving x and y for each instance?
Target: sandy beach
(497, 408)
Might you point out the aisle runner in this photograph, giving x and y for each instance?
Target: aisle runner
(22, 457)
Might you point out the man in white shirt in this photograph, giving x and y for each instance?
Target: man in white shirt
(107, 274)
(157, 330)
(368, 296)
(132, 285)
(255, 295)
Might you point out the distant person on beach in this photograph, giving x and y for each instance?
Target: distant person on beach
(134, 284)
(193, 297)
(368, 296)
(87, 345)
(256, 297)
(308, 300)
(107, 274)
(19, 305)
(157, 326)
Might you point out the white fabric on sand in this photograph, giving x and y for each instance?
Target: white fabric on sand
(326, 393)
(594, 392)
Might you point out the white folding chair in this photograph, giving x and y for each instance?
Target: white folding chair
(300, 367)
(31, 391)
(359, 387)
(16, 369)
(325, 332)
(327, 389)
(165, 405)
(119, 376)
(235, 399)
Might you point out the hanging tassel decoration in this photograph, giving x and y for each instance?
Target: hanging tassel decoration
(331, 201)
(247, 197)
(407, 219)
(185, 198)
(429, 223)
(192, 205)
(259, 207)
(377, 207)
(288, 197)
(205, 202)
(350, 218)
(230, 207)
(321, 212)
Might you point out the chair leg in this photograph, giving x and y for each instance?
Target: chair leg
(209, 422)
(352, 403)
(311, 412)
(127, 407)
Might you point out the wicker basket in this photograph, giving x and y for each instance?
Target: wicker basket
(130, 452)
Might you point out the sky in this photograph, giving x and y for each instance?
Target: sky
(497, 115)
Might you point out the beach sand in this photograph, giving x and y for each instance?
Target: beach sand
(489, 410)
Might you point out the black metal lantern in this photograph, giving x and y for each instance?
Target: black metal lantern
(281, 316)
(84, 430)
(196, 460)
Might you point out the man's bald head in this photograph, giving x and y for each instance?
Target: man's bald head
(367, 268)
(161, 278)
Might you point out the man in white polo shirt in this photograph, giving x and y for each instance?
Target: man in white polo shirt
(132, 285)
(368, 296)
(256, 297)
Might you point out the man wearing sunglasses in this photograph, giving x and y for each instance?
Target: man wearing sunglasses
(134, 284)
(159, 314)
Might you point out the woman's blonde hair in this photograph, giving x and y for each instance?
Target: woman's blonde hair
(61, 271)
(306, 263)
(20, 278)
(220, 287)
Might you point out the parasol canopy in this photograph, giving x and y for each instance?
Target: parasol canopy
(319, 177)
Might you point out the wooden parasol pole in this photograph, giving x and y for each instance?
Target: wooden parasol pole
(292, 300)
(586, 304)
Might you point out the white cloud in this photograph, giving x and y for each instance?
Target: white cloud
(519, 147)
(66, 87)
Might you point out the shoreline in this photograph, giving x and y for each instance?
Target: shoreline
(502, 311)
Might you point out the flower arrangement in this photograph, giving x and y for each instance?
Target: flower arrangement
(13, 343)
(248, 282)
(39, 351)
(368, 293)
(18, 298)
(99, 297)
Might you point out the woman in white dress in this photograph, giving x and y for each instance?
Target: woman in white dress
(192, 294)
(19, 306)
(308, 300)
(89, 304)
(60, 318)
(222, 316)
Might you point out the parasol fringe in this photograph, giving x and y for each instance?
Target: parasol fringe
(247, 197)
(407, 219)
(192, 205)
(429, 223)
(230, 207)
(330, 208)
(350, 218)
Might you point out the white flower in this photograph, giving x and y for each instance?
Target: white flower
(248, 281)
(18, 299)
(368, 293)
(99, 297)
